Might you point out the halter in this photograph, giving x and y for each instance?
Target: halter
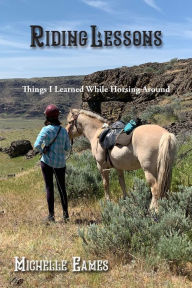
(74, 123)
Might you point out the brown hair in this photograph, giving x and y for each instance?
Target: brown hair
(52, 121)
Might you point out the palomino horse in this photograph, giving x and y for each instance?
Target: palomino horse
(152, 148)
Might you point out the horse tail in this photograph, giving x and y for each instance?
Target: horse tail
(165, 160)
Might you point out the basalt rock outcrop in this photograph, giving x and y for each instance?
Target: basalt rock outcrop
(175, 77)
(19, 148)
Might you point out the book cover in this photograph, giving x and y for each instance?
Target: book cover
(117, 76)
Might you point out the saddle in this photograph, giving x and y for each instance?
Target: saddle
(117, 134)
(123, 139)
(108, 137)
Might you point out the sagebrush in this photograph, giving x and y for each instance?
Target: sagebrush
(130, 229)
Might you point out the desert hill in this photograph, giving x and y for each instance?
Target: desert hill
(14, 101)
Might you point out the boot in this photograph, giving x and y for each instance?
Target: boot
(66, 216)
(50, 218)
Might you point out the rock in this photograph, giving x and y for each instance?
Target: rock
(2, 138)
(177, 128)
(176, 75)
(10, 175)
(19, 148)
(16, 281)
(31, 153)
(112, 110)
(4, 150)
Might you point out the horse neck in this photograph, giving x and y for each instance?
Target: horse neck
(90, 126)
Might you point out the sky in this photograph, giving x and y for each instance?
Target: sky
(19, 60)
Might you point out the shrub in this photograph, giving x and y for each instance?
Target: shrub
(173, 60)
(83, 180)
(168, 66)
(169, 110)
(186, 95)
(182, 171)
(129, 228)
(132, 114)
(175, 248)
(81, 144)
(149, 70)
(161, 70)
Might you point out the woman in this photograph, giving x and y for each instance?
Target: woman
(56, 141)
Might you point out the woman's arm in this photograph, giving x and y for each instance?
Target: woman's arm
(40, 139)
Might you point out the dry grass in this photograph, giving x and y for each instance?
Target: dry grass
(173, 71)
(23, 233)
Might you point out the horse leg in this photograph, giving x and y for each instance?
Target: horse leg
(105, 178)
(151, 180)
(122, 182)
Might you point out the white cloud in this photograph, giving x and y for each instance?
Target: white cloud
(152, 4)
(98, 4)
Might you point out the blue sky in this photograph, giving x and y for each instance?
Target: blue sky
(17, 59)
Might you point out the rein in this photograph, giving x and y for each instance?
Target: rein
(71, 151)
(73, 123)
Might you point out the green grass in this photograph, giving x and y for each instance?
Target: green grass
(16, 165)
(20, 123)
(18, 128)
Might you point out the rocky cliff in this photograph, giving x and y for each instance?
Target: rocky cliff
(155, 81)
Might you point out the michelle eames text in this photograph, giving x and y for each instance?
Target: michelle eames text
(77, 265)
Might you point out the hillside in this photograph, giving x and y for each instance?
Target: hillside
(174, 75)
(14, 101)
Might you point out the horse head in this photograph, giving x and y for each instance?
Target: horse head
(73, 127)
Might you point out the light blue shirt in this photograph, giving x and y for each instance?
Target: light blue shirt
(56, 155)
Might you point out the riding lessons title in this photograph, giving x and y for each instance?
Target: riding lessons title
(42, 38)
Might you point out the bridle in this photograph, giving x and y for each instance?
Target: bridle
(73, 123)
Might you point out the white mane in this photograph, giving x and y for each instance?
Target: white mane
(91, 114)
